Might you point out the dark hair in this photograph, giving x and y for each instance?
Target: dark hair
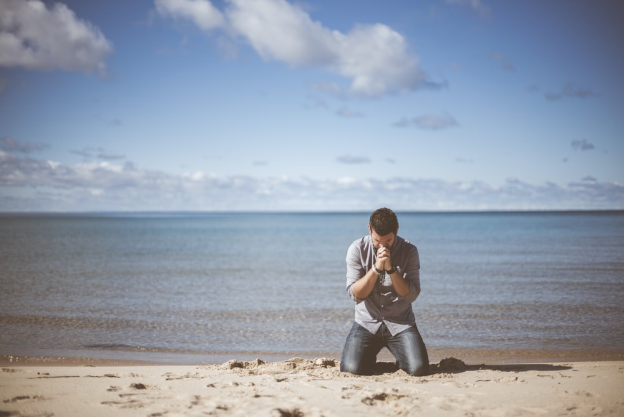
(383, 221)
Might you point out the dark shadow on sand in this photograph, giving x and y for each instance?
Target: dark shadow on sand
(456, 366)
(525, 367)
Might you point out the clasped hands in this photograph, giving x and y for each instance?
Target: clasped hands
(383, 261)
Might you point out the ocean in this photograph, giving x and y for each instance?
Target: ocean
(187, 288)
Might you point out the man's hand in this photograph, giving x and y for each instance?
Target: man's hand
(383, 259)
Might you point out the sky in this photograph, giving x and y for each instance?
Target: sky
(316, 105)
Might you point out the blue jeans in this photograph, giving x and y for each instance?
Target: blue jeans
(361, 348)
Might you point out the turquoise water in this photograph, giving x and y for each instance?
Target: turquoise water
(190, 287)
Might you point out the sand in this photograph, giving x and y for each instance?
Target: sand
(312, 387)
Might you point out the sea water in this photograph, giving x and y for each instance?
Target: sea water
(191, 287)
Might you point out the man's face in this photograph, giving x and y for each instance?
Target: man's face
(385, 241)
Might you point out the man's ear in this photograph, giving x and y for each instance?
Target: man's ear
(370, 230)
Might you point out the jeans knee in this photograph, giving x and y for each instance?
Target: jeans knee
(345, 367)
(351, 367)
(420, 369)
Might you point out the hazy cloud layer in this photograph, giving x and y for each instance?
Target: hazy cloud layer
(374, 57)
(29, 184)
(98, 153)
(429, 122)
(34, 36)
(11, 145)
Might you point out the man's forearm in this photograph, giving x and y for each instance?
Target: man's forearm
(363, 286)
(401, 285)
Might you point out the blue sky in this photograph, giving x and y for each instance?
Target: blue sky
(311, 105)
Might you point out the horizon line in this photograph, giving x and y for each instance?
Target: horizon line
(200, 212)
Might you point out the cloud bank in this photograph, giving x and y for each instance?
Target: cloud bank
(30, 184)
(35, 37)
(374, 57)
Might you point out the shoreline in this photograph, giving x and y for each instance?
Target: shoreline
(312, 388)
(132, 358)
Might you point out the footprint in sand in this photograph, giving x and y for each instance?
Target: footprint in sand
(131, 403)
(128, 399)
(171, 377)
(587, 394)
(451, 403)
(381, 398)
(285, 412)
(458, 384)
(23, 398)
(509, 380)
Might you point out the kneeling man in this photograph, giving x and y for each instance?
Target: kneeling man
(383, 278)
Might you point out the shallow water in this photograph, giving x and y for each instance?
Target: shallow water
(195, 285)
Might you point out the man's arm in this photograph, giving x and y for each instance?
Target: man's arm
(401, 285)
(360, 283)
(411, 276)
(363, 286)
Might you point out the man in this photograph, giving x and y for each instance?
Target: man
(383, 278)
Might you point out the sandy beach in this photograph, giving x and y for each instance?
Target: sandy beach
(311, 387)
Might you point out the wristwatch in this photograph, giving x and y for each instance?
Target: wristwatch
(391, 271)
(376, 270)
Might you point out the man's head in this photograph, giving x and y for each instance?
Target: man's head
(383, 226)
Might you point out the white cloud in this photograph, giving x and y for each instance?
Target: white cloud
(374, 57)
(35, 37)
(282, 32)
(29, 184)
(202, 13)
